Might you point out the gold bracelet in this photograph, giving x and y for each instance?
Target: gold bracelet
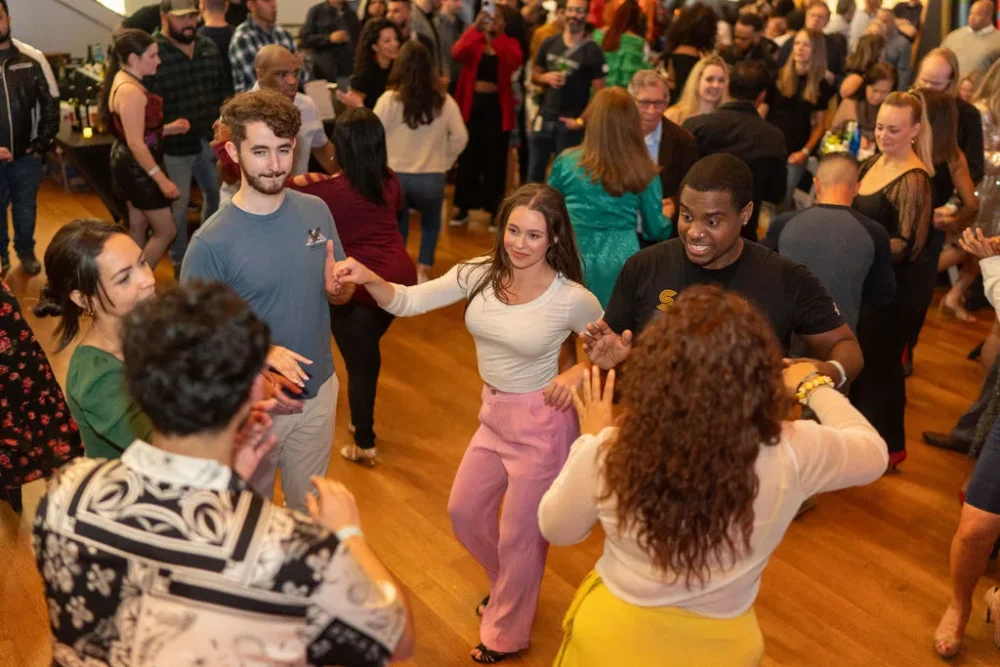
(806, 389)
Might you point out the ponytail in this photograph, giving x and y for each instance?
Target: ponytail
(125, 43)
(923, 144)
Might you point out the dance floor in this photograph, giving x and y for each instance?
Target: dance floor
(860, 580)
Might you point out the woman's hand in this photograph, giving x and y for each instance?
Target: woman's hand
(277, 388)
(974, 242)
(559, 392)
(593, 408)
(351, 99)
(352, 271)
(168, 188)
(795, 373)
(333, 506)
(945, 218)
(798, 157)
(286, 362)
(179, 126)
(483, 21)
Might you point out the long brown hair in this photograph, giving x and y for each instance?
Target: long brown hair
(703, 392)
(412, 77)
(941, 110)
(562, 254)
(613, 150)
(628, 17)
(867, 53)
(788, 77)
(987, 96)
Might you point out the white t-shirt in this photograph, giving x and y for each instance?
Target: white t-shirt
(311, 135)
(517, 346)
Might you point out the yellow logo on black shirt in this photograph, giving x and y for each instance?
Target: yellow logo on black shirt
(666, 299)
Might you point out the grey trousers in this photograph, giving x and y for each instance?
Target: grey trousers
(302, 450)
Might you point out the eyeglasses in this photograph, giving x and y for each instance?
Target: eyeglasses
(576, 10)
(650, 104)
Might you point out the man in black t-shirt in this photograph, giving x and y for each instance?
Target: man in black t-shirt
(715, 202)
(569, 65)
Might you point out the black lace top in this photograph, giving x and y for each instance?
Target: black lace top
(903, 207)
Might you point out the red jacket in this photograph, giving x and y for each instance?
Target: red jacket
(467, 51)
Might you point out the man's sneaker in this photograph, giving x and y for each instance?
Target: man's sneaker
(30, 264)
(460, 218)
(4, 265)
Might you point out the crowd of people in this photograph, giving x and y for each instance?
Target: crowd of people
(623, 298)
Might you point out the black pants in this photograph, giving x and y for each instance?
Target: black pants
(482, 166)
(358, 330)
(879, 393)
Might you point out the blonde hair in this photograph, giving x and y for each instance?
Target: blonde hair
(923, 145)
(987, 96)
(614, 150)
(788, 77)
(687, 105)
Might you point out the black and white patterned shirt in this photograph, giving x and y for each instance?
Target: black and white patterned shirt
(250, 38)
(160, 559)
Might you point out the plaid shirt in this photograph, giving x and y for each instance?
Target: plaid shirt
(190, 88)
(247, 40)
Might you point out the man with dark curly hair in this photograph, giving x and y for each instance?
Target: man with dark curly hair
(277, 249)
(171, 531)
(716, 201)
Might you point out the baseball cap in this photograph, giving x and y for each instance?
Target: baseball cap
(179, 7)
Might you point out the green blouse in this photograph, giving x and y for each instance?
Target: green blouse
(108, 418)
(626, 61)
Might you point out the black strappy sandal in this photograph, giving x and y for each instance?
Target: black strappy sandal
(481, 607)
(488, 657)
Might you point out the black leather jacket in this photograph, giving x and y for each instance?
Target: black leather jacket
(25, 98)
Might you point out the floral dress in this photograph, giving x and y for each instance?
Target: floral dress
(37, 433)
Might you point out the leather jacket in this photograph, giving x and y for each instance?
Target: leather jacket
(29, 111)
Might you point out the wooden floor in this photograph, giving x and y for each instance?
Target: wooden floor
(861, 580)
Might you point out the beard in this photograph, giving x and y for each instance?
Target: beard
(185, 36)
(256, 181)
(575, 25)
(4, 36)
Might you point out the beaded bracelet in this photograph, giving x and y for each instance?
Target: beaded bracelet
(808, 387)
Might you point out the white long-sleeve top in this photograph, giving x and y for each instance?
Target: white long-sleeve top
(429, 149)
(990, 268)
(517, 346)
(845, 450)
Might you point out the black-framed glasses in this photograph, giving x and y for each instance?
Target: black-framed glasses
(646, 104)
(576, 10)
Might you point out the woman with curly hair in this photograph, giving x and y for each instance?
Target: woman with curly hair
(690, 37)
(377, 49)
(524, 307)
(693, 499)
(425, 134)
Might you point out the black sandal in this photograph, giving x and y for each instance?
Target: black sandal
(481, 607)
(488, 657)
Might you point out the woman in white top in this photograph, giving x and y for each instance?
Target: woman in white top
(525, 304)
(696, 486)
(425, 134)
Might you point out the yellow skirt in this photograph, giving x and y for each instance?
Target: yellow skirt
(604, 631)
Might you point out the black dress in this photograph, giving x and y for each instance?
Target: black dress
(131, 182)
(904, 208)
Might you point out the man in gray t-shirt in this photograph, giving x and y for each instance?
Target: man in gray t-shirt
(276, 249)
(846, 250)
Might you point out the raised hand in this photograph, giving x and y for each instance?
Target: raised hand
(974, 242)
(594, 407)
(333, 286)
(352, 271)
(604, 347)
(253, 440)
(286, 362)
(333, 506)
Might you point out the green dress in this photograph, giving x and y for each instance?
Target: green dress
(626, 61)
(108, 418)
(605, 226)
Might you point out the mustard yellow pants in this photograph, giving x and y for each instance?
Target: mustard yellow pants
(601, 630)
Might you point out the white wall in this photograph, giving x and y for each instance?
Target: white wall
(62, 25)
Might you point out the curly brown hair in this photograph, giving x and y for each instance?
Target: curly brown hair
(267, 106)
(702, 392)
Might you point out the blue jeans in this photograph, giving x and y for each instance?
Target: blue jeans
(795, 174)
(424, 192)
(552, 139)
(19, 181)
(180, 169)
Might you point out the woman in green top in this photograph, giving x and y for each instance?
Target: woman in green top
(624, 48)
(96, 269)
(610, 183)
